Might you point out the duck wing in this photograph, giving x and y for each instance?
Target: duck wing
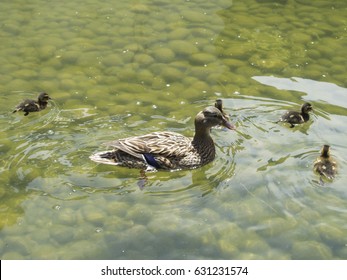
(292, 117)
(326, 168)
(166, 144)
(27, 105)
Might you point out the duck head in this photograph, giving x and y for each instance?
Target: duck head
(210, 117)
(325, 152)
(219, 104)
(44, 97)
(306, 107)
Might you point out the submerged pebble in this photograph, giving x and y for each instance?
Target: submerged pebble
(143, 59)
(12, 256)
(93, 214)
(228, 249)
(181, 47)
(18, 245)
(44, 252)
(47, 51)
(310, 250)
(139, 215)
(194, 16)
(332, 235)
(164, 54)
(179, 33)
(171, 74)
(173, 57)
(61, 234)
(202, 58)
(67, 216)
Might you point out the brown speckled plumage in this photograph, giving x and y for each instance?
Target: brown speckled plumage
(167, 150)
(325, 165)
(30, 105)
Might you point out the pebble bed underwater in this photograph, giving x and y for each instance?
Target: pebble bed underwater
(116, 69)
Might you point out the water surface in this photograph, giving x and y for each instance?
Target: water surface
(122, 68)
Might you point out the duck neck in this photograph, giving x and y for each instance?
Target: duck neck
(306, 116)
(42, 104)
(325, 154)
(203, 142)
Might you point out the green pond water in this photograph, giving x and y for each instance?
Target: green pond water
(123, 68)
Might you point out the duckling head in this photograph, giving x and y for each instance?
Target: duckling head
(219, 104)
(44, 97)
(306, 107)
(325, 152)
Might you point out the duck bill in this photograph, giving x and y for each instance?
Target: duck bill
(228, 125)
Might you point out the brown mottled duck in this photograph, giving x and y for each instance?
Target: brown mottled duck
(167, 150)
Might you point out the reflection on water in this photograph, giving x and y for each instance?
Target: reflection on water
(314, 90)
(123, 69)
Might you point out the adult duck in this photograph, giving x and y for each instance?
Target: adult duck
(167, 150)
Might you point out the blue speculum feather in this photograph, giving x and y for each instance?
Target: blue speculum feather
(151, 160)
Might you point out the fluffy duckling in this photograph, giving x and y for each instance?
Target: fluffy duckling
(29, 105)
(219, 105)
(325, 165)
(294, 117)
(167, 150)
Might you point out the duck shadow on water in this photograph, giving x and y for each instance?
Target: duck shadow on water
(204, 179)
(303, 128)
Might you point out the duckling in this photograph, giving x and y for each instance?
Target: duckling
(29, 105)
(325, 165)
(167, 150)
(219, 105)
(294, 117)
